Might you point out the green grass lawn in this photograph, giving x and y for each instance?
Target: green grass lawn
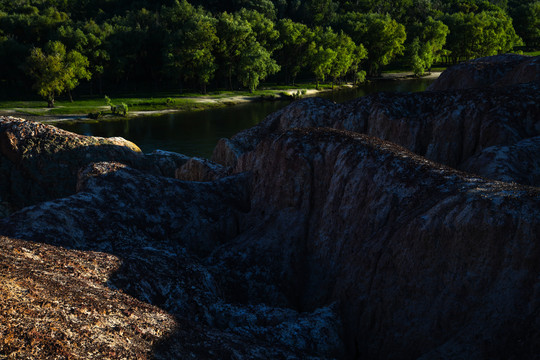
(158, 102)
(532, 53)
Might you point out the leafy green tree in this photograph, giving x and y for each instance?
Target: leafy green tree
(295, 39)
(382, 36)
(321, 55)
(346, 52)
(55, 70)
(264, 7)
(319, 12)
(234, 34)
(527, 23)
(191, 44)
(89, 39)
(429, 39)
(255, 65)
(417, 63)
(264, 29)
(332, 54)
(483, 34)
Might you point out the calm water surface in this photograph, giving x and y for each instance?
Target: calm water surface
(196, 133)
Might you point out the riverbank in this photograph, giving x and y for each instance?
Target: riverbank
(144, 106)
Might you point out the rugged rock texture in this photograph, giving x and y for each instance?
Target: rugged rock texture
(321, 236)
(55, 304)
(307, 243)
(500, 70)
(449, 127)
(197, 169)
(423, 260)
(521, 160)
(40, 162)
(162, 229)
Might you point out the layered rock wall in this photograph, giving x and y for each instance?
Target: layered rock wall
(305, 242)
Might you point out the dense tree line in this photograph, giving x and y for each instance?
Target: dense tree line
(55, 44)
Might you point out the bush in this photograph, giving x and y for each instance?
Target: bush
(95, 115)
(121, 109)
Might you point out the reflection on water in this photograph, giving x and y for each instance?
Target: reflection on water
(196, 133)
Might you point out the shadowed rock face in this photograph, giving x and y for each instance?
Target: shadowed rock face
(311, 243)
(40, 162)
(500, 70)
(160, 230)
(418, 256)
(449, 127)
(322, 236)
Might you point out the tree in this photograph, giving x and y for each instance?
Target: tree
(264, 7)
(255, 65)
(429, 39)
(382, 36)
(345, 50)
(483, 34)
(55, 70)
(332, 54)
(191, 44)
(527, 23)
(234, 35)
(295, 39)
(89, 39)
(263, 28)
(321, 56)
(319, 12)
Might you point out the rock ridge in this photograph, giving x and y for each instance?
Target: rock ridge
(326, 232)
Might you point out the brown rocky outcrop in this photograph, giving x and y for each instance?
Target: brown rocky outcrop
(500, 70)
(198, 169)
(449, 127)
(414, 258)
(303, 243)
(55, 303)
(40, 162)
(160, 230)
(422, 260)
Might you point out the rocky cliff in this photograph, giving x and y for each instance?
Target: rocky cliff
(307, 241)
(450, 127)
(500, 70)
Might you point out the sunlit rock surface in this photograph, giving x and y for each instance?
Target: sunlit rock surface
(305, 242)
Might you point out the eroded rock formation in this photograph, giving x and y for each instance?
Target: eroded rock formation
(305, 242)
(449, 127)
(500, 70)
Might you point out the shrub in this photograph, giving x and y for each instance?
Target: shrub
(95, 115)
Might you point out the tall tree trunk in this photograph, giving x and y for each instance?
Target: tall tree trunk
(70, 97)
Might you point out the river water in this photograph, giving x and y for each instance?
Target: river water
(196, 133)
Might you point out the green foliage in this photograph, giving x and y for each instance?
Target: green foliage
(382, 36)
(189, 53)
(483, 34)
(95, 115)
(527, 23)
(255, 65)
(56, 71)
(121, 109)
(191, 44)
(293, 55)
(427, 44)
